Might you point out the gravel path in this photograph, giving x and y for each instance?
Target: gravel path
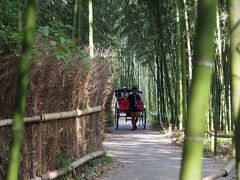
(147, 155)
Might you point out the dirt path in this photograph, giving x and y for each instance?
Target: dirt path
(147, 155)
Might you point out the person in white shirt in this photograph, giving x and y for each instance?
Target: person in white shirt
(124, 93)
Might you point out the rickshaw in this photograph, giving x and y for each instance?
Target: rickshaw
(122, 110)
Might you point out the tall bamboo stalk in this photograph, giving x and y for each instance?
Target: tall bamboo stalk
(203, 61)
(20, 101)
(215, 105)
(227, 93)
(75, 12)
(219, 71)
(183, 62)
(188, 39)
(78, 19)
(20, 24)
(168, 89)
(235, 74)
(90, 24)
(179, 67)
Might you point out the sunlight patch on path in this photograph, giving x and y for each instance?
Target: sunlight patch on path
(146, 155)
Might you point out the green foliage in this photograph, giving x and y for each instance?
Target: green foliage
(106, 23)
(94, 168)
(55, 14)
(103, 159)
(10, 40)
(107, 159)
(8, 14)
(55, 41)
(90, 167)
(54, 11)
(63, 160)
(44, 30)
(224, 148)
(207, 147)
(153, 121)
(83, 104)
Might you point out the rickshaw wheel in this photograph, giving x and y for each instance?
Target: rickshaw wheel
(144, 119)
(116, 118)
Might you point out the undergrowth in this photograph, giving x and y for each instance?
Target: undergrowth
(154, 122)
(95, 167)
(223, 148)
(63, 161)
(92, 169)
(10, 41)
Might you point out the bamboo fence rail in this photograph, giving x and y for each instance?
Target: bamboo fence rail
(54, 116)
(224, 172)
(74, 165)
(220, 135)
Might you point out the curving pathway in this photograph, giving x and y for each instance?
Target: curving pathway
(146, 155)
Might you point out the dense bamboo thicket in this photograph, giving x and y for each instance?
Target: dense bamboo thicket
(160, 52)
(157, 54)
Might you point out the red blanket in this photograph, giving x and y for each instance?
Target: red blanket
(140, 105)
(124, 104)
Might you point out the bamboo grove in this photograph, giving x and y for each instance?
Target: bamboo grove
(160, 53)
(168, 50)
(178, 52)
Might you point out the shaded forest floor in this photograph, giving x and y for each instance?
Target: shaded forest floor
(145, 154)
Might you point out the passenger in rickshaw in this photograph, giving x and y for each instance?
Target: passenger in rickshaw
(134, 99)
(123, 100)
(124, 93)
(139, 92)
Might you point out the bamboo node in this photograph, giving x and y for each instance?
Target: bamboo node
(194, 138)
(205, 63)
